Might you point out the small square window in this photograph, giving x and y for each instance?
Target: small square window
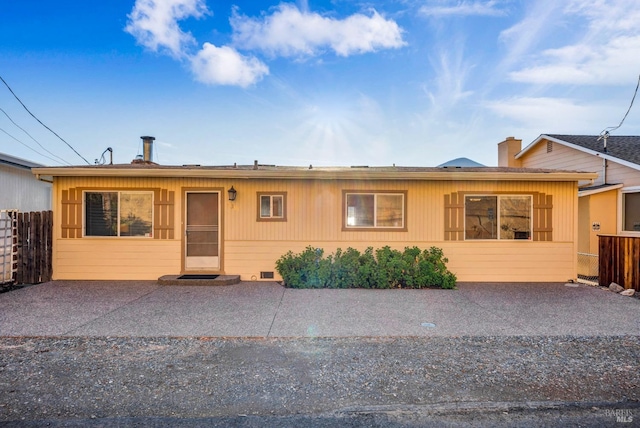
(272, 206)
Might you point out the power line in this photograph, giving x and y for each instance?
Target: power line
(613, 128)
(30, 136)
(40, 122)
(28, 146)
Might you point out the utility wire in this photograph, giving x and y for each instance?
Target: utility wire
(30, 136)
(28, 146)
(613, 128)
(40, 122)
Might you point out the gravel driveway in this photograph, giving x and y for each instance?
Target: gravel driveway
(346, 381)
(472, 369)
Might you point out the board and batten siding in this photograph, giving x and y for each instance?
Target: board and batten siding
(315, 218)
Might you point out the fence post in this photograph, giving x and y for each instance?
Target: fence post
(22, 246)
(48, 239)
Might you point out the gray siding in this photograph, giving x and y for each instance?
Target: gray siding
(19, 189)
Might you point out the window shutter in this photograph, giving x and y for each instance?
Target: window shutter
(542, 210)
(72, 213)
(163, 214)
(454, 217)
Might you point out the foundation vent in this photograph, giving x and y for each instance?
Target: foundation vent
(266, 275)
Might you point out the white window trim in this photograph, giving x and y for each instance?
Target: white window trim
(271, 215)
(84, 213)
(620, 216)
(498, 217)
(375, 211)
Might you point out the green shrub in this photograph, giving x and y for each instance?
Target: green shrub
(384, 268)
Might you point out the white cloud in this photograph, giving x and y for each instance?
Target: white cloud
(289, 32)
(462, 8)
(607, 51)
(554, 115)
(226, 66)
(452, 73)
(154, 23)
(524, 35)
(612, 63)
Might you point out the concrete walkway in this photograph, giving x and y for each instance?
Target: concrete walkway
(251, 309)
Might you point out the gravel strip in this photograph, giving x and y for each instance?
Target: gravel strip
(82, 378)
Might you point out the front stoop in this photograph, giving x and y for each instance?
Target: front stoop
(220, 280)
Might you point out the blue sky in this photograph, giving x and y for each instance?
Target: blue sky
(343, 82)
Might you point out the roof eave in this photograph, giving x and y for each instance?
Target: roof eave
(589, 192)
(318, 174)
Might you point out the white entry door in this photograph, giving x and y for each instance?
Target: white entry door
(202, 240)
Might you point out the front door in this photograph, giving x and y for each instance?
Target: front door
(202, 240)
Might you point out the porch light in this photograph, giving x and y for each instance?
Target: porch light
(232, 194)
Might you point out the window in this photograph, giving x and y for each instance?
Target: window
(374, 210)
(631, 211)
(118, 214)
(272, 206)
(497, 217)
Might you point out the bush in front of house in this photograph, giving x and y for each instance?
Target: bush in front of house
(382, 268)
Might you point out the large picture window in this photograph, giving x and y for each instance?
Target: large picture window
(375, 210)
(497, 216)
(631, 211)
(118, 213)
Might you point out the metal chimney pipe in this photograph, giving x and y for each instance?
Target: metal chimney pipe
(147, 148)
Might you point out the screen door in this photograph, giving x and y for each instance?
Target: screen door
(202, 242)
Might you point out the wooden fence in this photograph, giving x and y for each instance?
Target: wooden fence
(33, 255)
(619, 261)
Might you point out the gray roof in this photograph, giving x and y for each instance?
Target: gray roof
(623, 147)
(17, 162)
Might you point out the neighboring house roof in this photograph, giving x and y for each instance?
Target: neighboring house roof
(320, 173)
(624, 150)
(460, 163)
(17, 162)
(600, 188)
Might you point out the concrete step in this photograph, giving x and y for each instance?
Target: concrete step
(181, 280)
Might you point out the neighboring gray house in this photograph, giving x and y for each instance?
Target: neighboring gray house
(19, 188)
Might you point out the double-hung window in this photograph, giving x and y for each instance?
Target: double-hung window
(631, 210)
(272, 206)
(374, 210)
(118, 213)
(501, 217)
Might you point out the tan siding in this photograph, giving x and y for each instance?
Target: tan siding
(477, 261)
(566, 158)
(561, 157)
(314, 218)
(514, 261)
(115, 258)
(617, 173)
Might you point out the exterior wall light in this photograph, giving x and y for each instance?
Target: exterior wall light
(232, 194)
